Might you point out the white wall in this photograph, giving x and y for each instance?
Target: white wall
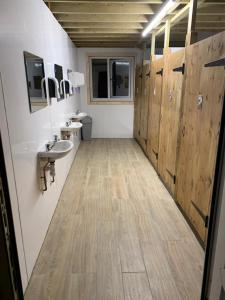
(109, 121)
(30, 26)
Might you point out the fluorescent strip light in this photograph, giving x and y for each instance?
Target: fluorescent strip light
(158, 18)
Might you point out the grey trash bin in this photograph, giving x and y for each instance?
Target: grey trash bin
(86, 128)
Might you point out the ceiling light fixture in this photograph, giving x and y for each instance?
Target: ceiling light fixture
(167, 8)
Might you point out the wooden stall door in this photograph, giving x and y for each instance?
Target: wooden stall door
(137, 102)
(155, 98)
(212, 86)
(144, 106)
(170, 117)
(200, 127)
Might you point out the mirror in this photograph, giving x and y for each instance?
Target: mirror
(35, 74)
(59, 77)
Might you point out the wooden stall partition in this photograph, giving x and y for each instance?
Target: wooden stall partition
(155, 98)
(144, 107)
(200, 128)
(137, 101)
(170, 117)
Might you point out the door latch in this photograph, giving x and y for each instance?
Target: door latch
(199, 101)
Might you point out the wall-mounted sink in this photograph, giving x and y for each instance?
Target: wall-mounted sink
(56, 150)
(74, 126)
(79, 116)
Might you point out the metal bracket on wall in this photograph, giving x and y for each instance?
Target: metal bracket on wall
(160, 72)
(172, 175)
(180, 69)
(216, 63)
(205, 218)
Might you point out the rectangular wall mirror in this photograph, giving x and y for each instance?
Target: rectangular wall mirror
(35, 74)
(59, 77)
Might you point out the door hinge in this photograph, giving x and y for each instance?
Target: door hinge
(160, 72)
(156, 154)
(140, 76)
(139, 132)
(216, 63)
(148, 74)
(205, 218)
(145, 141)
(180, 69)
(172, 175)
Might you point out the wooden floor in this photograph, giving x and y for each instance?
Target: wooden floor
(116, 233)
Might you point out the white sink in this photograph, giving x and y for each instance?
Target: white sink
(74, 126)
(59, 149)
(79, 116)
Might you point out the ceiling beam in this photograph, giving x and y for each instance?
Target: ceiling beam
(152, 46)
(99, 38)
(191, 26)
(181, 14)
(215, 2)
(104, 35)
(206, 19)
(112, 45)
(103, 30)
(211, 10)
(175, 19)
(132, 44)
(109, 1)
(70, 25)
(101, 8)
(102, 18)
(104, 44)
(103, 40)
(211, 30)
(167, 34)
(199, 26)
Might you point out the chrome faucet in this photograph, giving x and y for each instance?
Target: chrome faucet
(56, 137)
(68, 123)
(77, 112)
(51, 144)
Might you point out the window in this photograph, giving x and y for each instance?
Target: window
(111, 79)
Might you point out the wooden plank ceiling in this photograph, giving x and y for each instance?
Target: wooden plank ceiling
(119, 23)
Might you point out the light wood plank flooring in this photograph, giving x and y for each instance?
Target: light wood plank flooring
(116, 233)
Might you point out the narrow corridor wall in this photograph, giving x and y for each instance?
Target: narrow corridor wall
(30, 26)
